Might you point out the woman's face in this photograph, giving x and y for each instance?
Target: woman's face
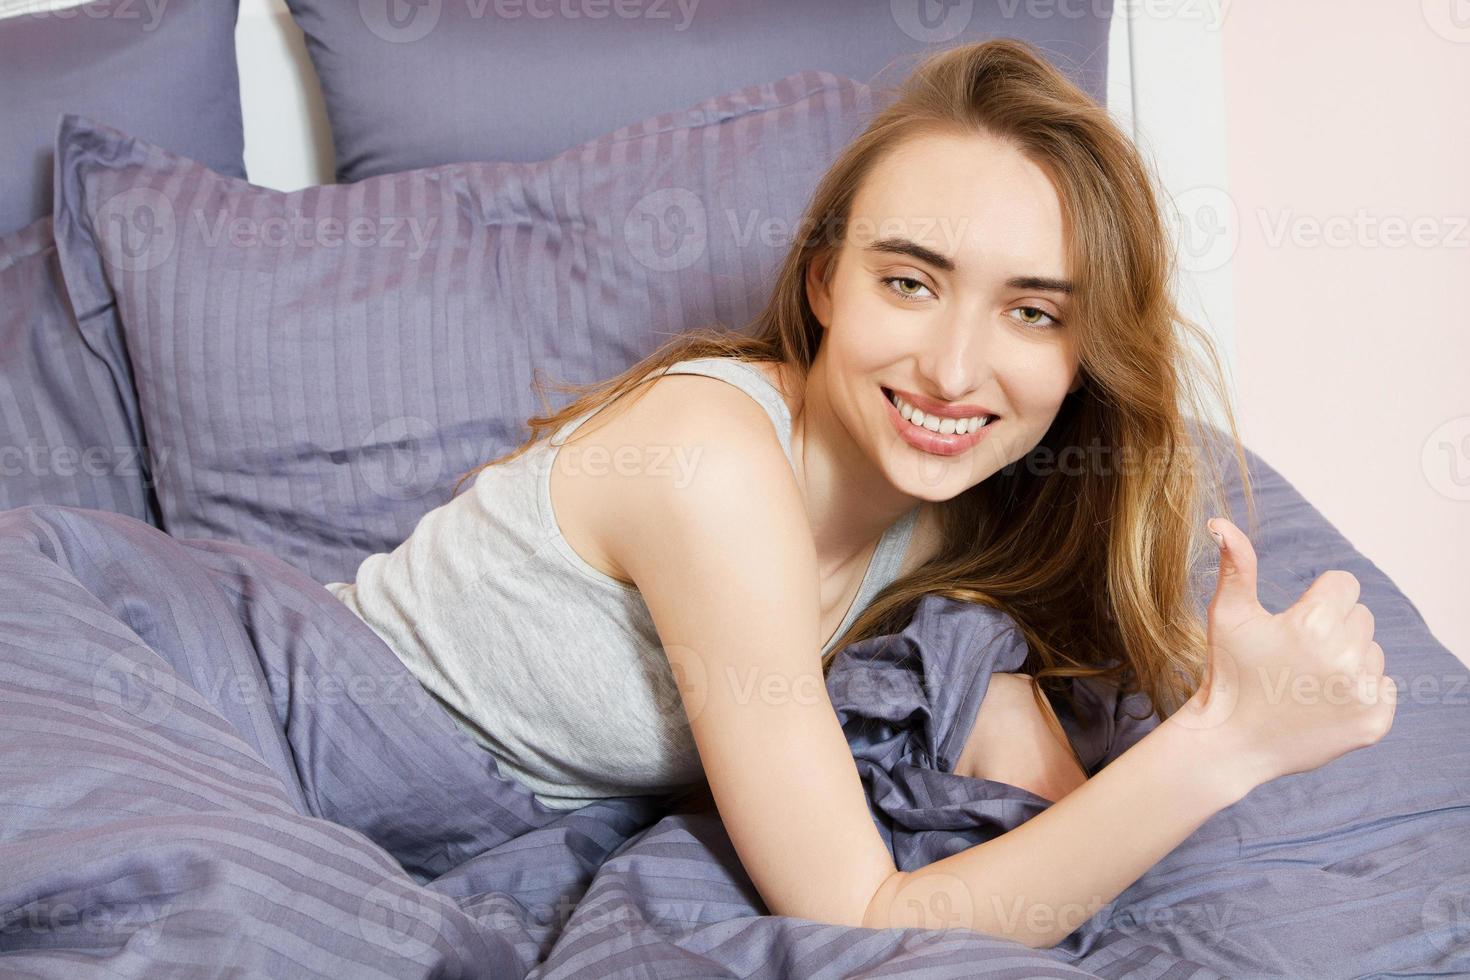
(947, 290)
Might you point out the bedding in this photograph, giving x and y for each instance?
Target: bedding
(165, 71)
(319, 367)
(70, 429)
(430, 83)
(69, 426)
(209, 765)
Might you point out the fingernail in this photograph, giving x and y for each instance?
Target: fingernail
(1219, 538)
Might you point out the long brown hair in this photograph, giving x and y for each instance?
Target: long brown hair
(1092, 563)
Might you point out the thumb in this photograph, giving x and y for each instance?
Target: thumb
(1235, 589)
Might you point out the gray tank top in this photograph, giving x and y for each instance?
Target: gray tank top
(552, 666)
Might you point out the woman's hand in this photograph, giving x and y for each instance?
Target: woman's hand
(1293, 691)
(1013, 743)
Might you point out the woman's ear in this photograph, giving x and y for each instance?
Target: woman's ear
(818, 293)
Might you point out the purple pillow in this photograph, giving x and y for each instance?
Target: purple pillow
(319, 367)
(418, 83)
(68, 433)
(165, 72)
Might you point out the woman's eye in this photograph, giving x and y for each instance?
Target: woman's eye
(901, 285)
(1044, 319)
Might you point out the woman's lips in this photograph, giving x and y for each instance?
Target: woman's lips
(932, 442)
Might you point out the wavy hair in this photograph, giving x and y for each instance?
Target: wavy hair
(1093, 563)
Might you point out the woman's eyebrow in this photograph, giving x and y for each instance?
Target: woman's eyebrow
(905, 246)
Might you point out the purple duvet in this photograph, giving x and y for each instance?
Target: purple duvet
(208, 766)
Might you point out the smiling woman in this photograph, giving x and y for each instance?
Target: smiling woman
(965, 302)
(986, 284)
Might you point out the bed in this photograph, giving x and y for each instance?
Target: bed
(210, 767)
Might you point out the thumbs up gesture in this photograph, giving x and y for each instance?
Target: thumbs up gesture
(1295, 690)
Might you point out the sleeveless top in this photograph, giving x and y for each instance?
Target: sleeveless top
(552, 666)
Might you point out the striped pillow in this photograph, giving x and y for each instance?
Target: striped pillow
(163, 70)
(315, 369)
(69, 427)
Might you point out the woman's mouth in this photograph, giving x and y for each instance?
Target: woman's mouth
(938, 435)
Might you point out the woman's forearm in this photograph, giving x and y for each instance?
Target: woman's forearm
(1037, 883)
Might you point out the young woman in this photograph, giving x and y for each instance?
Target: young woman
(650, 601)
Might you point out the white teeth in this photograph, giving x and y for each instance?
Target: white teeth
(944, 426)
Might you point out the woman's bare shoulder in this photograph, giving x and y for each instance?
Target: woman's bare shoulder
(610, 463)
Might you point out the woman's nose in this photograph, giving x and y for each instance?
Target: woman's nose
(958, 356)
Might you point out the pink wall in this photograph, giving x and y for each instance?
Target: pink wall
(1349, 162)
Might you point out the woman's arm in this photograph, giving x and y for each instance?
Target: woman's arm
(1039, 882)
(727, 568)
